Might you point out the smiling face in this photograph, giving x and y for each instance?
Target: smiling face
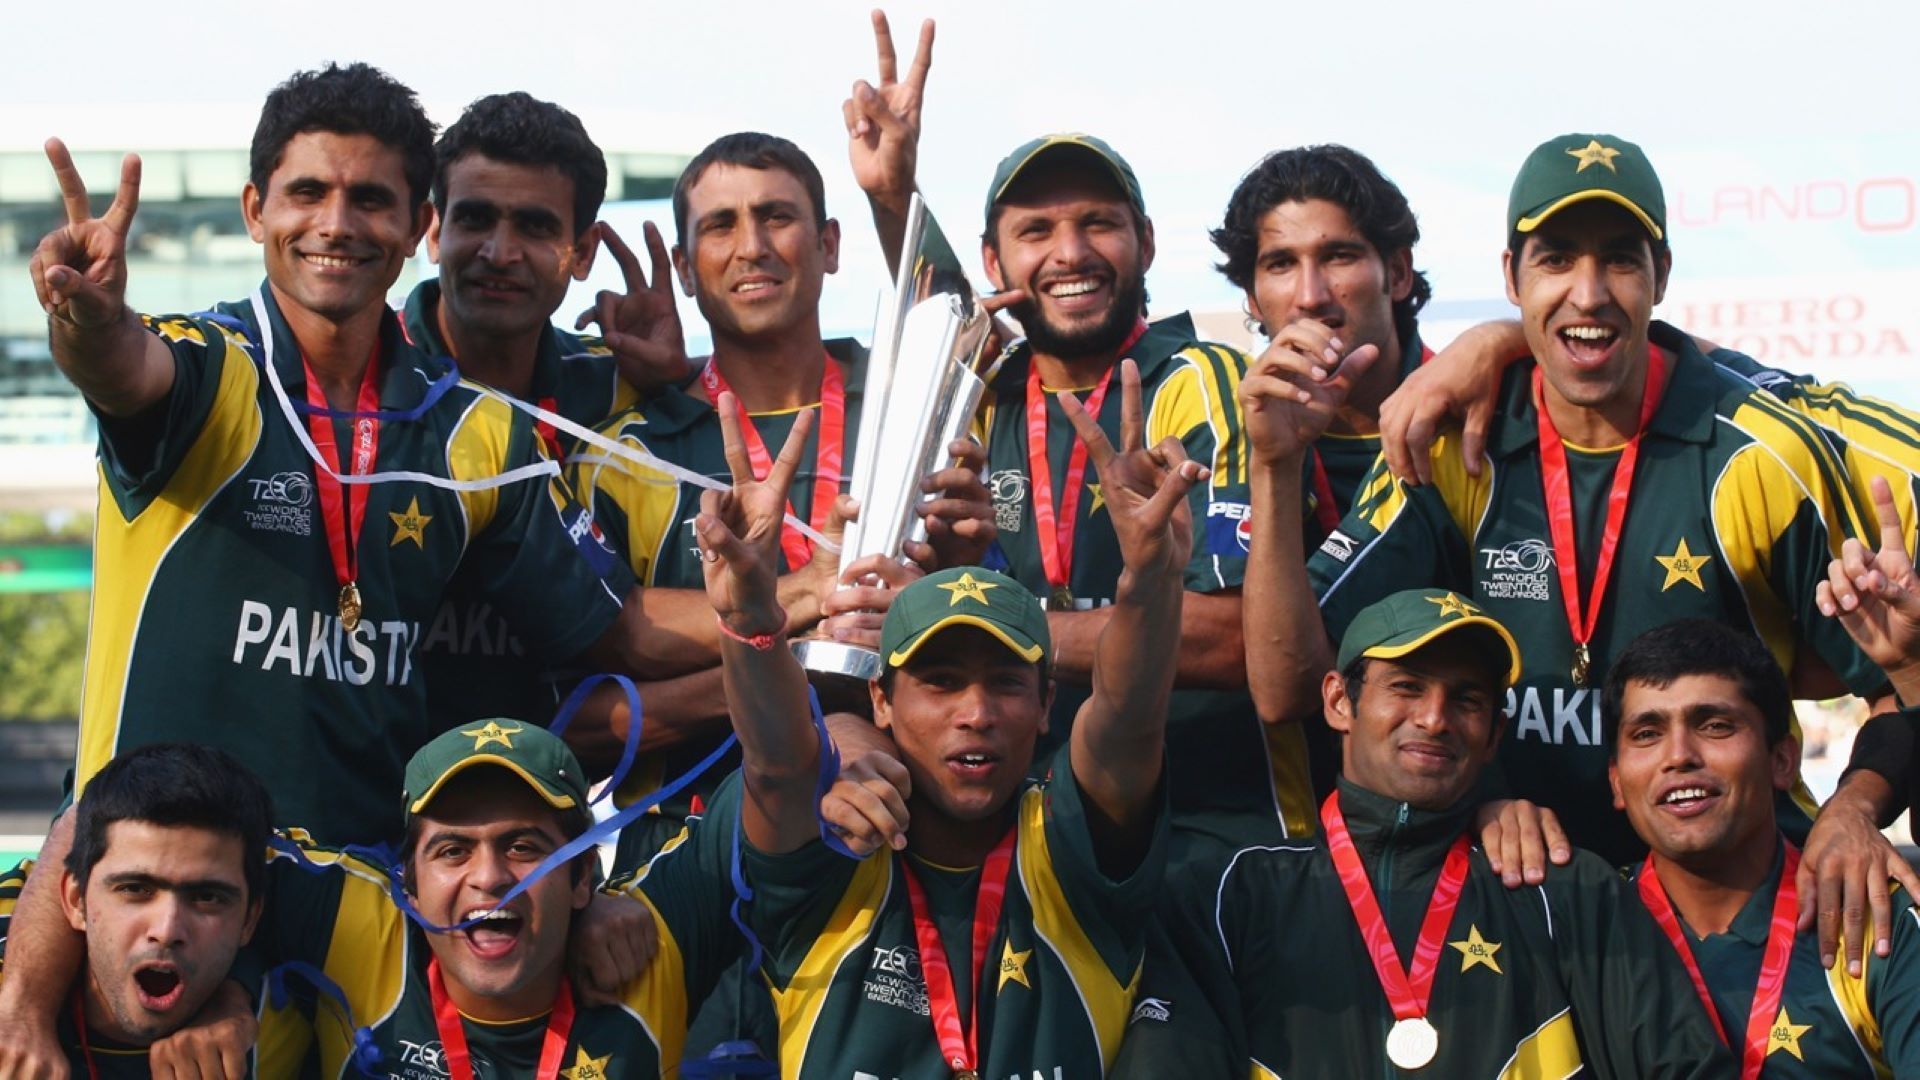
(483, 832)
(507, 245)
(1586, 281)
(164, 910)
(1069, 237)
(1421, 727)
(336, 221)
(1693, 771)
(755, 259)
(965, 713)
(1313, 263)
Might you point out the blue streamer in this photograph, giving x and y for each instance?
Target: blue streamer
(365, 1056)
(635, 724)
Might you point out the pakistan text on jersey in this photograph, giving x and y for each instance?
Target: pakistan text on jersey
(315, 644)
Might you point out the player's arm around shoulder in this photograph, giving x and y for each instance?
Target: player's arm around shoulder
(1892, 991)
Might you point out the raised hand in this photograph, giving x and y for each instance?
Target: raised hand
(739, 529)
(1145, 489)
(1293, 390)
(80, 269)
(883, 122)
(642, 326)
(1876, 597)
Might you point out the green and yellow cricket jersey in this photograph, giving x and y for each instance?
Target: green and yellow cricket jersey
(97, 1056)
(844, 961)
(650, 516)
(216, 614)
(1737, 507)
(1535, 983)
(1831, 1025)
(1871, 437)
(1221, 765)
(475, 667)
(342, 921)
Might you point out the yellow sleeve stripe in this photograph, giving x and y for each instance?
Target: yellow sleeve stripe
(798, 1005)
(1850, 996)
(1552, 1052)
(1788, 435)
(130, 552)
(1467, 497)
(478, 448)
(1105, 998)
(1852, 415)
(658, 998)
(649, 500)
(1261, 1072)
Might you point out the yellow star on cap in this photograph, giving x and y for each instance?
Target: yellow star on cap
(1451, 604)
(1099, 500)
(1594, 154)
(493, 733)
(1477, 950)
(1785, 1034)
(1683, 565)
(1013, 968)
(587, 1068)
(411, 525)
(966, 587)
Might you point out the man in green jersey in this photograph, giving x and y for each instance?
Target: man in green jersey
(1388, 946)
(1696, 717)
(754, 247)
(1005, 937)
(1650, 485)
(486, 805)
(517, 189)
(1067, 234)
(165, 881)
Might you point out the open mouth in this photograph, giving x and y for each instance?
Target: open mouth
(753, 286)
(972, 763)
(333, 262)
(1589, 344)
(496, 933)
(159, 987)
(1687, 801)
(1076, 293)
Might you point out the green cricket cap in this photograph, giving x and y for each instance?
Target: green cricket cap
(1094, 151)
(1574, 168)
(965, 596)
(1408, 621)
(529, 751)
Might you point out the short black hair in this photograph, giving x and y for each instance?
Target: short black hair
(520, 129)
(175, 785)
(1342, 176)
(358, 99)
(751, 150)
(1698, 647)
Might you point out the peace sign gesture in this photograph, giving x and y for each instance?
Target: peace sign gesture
(883, 123)
(1145, 489)
(739, 530)
(642, 327)
(80, 269)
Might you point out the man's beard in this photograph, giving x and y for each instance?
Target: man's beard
(1103, 338)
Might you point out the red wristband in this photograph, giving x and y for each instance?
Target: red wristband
(760, 642)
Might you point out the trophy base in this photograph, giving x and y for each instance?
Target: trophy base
(839, 673)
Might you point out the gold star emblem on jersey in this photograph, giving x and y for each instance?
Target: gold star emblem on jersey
(484, 737)
(1683, 565)
(1594, 154)
(1013, 967)
(967, 587)
(1476, 950)
(1099, 500)
(410, 525)
(1451, 605)
(587, 1068)
(1785, 1034)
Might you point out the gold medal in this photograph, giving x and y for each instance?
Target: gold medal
(965, 1074)
(1062, 599)
(1581, 662)
(1411, 1043)
(350, 605)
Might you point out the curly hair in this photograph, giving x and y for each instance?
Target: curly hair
(357, 99)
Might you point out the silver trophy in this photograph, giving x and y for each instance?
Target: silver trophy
(925, 379)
